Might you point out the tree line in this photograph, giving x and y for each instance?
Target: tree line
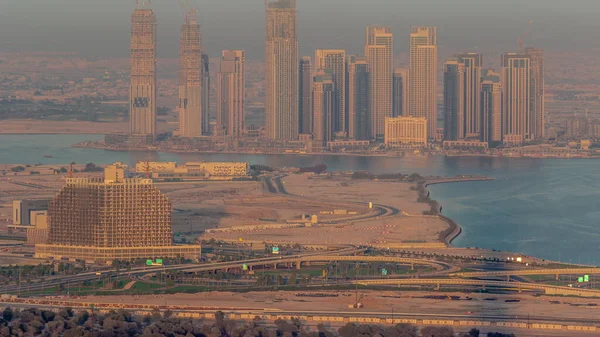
(121, 323)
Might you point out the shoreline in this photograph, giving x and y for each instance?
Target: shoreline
(455, 230)
(384, 155)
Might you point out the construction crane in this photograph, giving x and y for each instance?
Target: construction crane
(190, 10)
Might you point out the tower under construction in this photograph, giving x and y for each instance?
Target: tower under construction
(115, 218)
(190, 79)
(142, 92)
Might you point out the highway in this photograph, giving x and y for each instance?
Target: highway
(524, 272)
(548, 289)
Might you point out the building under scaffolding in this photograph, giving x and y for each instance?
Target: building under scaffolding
(102, 220)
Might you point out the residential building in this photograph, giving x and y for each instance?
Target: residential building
(206, 129)
(231, 94)
(379, 51)
(324, 99)
(473, 65)
(537, 92)
(334, 63)
(281, 97)
(400, 92)
(422, 87)
(517, 121)
(190, 80)
(305, 95)
(491, 108)
(142, 92)
(357, 97)
(454, 100)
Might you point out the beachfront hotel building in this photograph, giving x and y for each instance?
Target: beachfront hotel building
(142, 90)
(112, 218)
(405, 132)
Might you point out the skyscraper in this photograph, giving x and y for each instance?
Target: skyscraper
(190, 80)
(517, 120)
(454, 100)
(357, 98)
(491, 108)
(324, 107)
(115, 218)
(473, 63)
(400, 92)
(537, 92)
(281, 98)
(205, 95)
(305, 95)
(422, 87)
(142, 91)
(379, 51)
(334, 62)
(231, 94)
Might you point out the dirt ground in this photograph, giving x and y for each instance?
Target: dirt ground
(379, 301)
(357, 195)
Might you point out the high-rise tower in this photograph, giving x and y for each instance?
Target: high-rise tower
(205, 95)
(281, 98)
(473, 65)
(324, 107)
(491, 108)
(537, 92)
(423, 76)
(231, 94)
(334, 63)
(400, 92)
(357, 98)
(305, 95)
(142, 91)
(517, 120)
(454, 100)
(379, 51)
(190, 80)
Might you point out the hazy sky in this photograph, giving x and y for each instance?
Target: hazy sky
(101, 27)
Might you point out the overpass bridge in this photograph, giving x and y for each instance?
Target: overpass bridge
(525, 272)
(548, 289)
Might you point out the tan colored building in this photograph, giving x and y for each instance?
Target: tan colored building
(201, 169)
(333, 62)
(422, 87)
(143, 92)
(473, 67)
(405, 132)
(517, 121)
(380, 52)
(102, 220)
(190, 80)
(282, 67)
(538, 103)
(231, 94)
(39, 233)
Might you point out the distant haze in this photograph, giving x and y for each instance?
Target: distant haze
(101, 27)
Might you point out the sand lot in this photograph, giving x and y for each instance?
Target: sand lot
(31, 126)
(357, 195)
(378, 301)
